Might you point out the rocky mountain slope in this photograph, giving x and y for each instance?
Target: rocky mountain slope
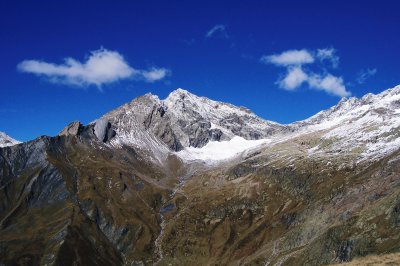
(188, 180)
(6, 140)
(159, 127)
(392, 259)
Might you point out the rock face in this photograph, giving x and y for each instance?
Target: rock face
(186, 120)
(6, 141)
(54, 206)
(103, 130)
(120, 192)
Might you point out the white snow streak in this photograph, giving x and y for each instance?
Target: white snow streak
(218, 151)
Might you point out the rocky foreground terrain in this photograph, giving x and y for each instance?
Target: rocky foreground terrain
(191, 181)
(392, 259)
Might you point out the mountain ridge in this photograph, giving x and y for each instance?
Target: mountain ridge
(184, 120)
(143, 186)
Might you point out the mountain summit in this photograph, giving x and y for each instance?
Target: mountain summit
(191, 181)
(186, 120)
(6, 140)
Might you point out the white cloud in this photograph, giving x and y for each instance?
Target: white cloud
(329, 55)
(365, 74)
(291, 57)
(297, 75)
(155, 74)
(293, 79)
(328, 83)
(101, 67)
(221, 29)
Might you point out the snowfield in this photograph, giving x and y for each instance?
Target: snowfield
(220, 150)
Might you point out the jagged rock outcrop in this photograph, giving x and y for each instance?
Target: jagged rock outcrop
(100, 129)
(74, 129)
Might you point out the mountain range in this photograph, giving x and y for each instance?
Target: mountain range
(188, 180)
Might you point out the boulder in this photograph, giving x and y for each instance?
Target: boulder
(74, 129)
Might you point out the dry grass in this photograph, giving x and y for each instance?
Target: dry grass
(387, 259)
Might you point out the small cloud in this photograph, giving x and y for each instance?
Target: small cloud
(217, 29)
(329, 83)
(155, 74)
(328, 54)
(291, 57)
(293, 79)
(297, 74)
(365, 74)
(101, 67)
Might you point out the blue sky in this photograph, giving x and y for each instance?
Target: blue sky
(285, 60)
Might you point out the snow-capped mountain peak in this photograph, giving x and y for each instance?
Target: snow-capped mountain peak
(184, 121)
(232, 120)
(370, 124)
(6, 140)
(351, 108)
(181, 99)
